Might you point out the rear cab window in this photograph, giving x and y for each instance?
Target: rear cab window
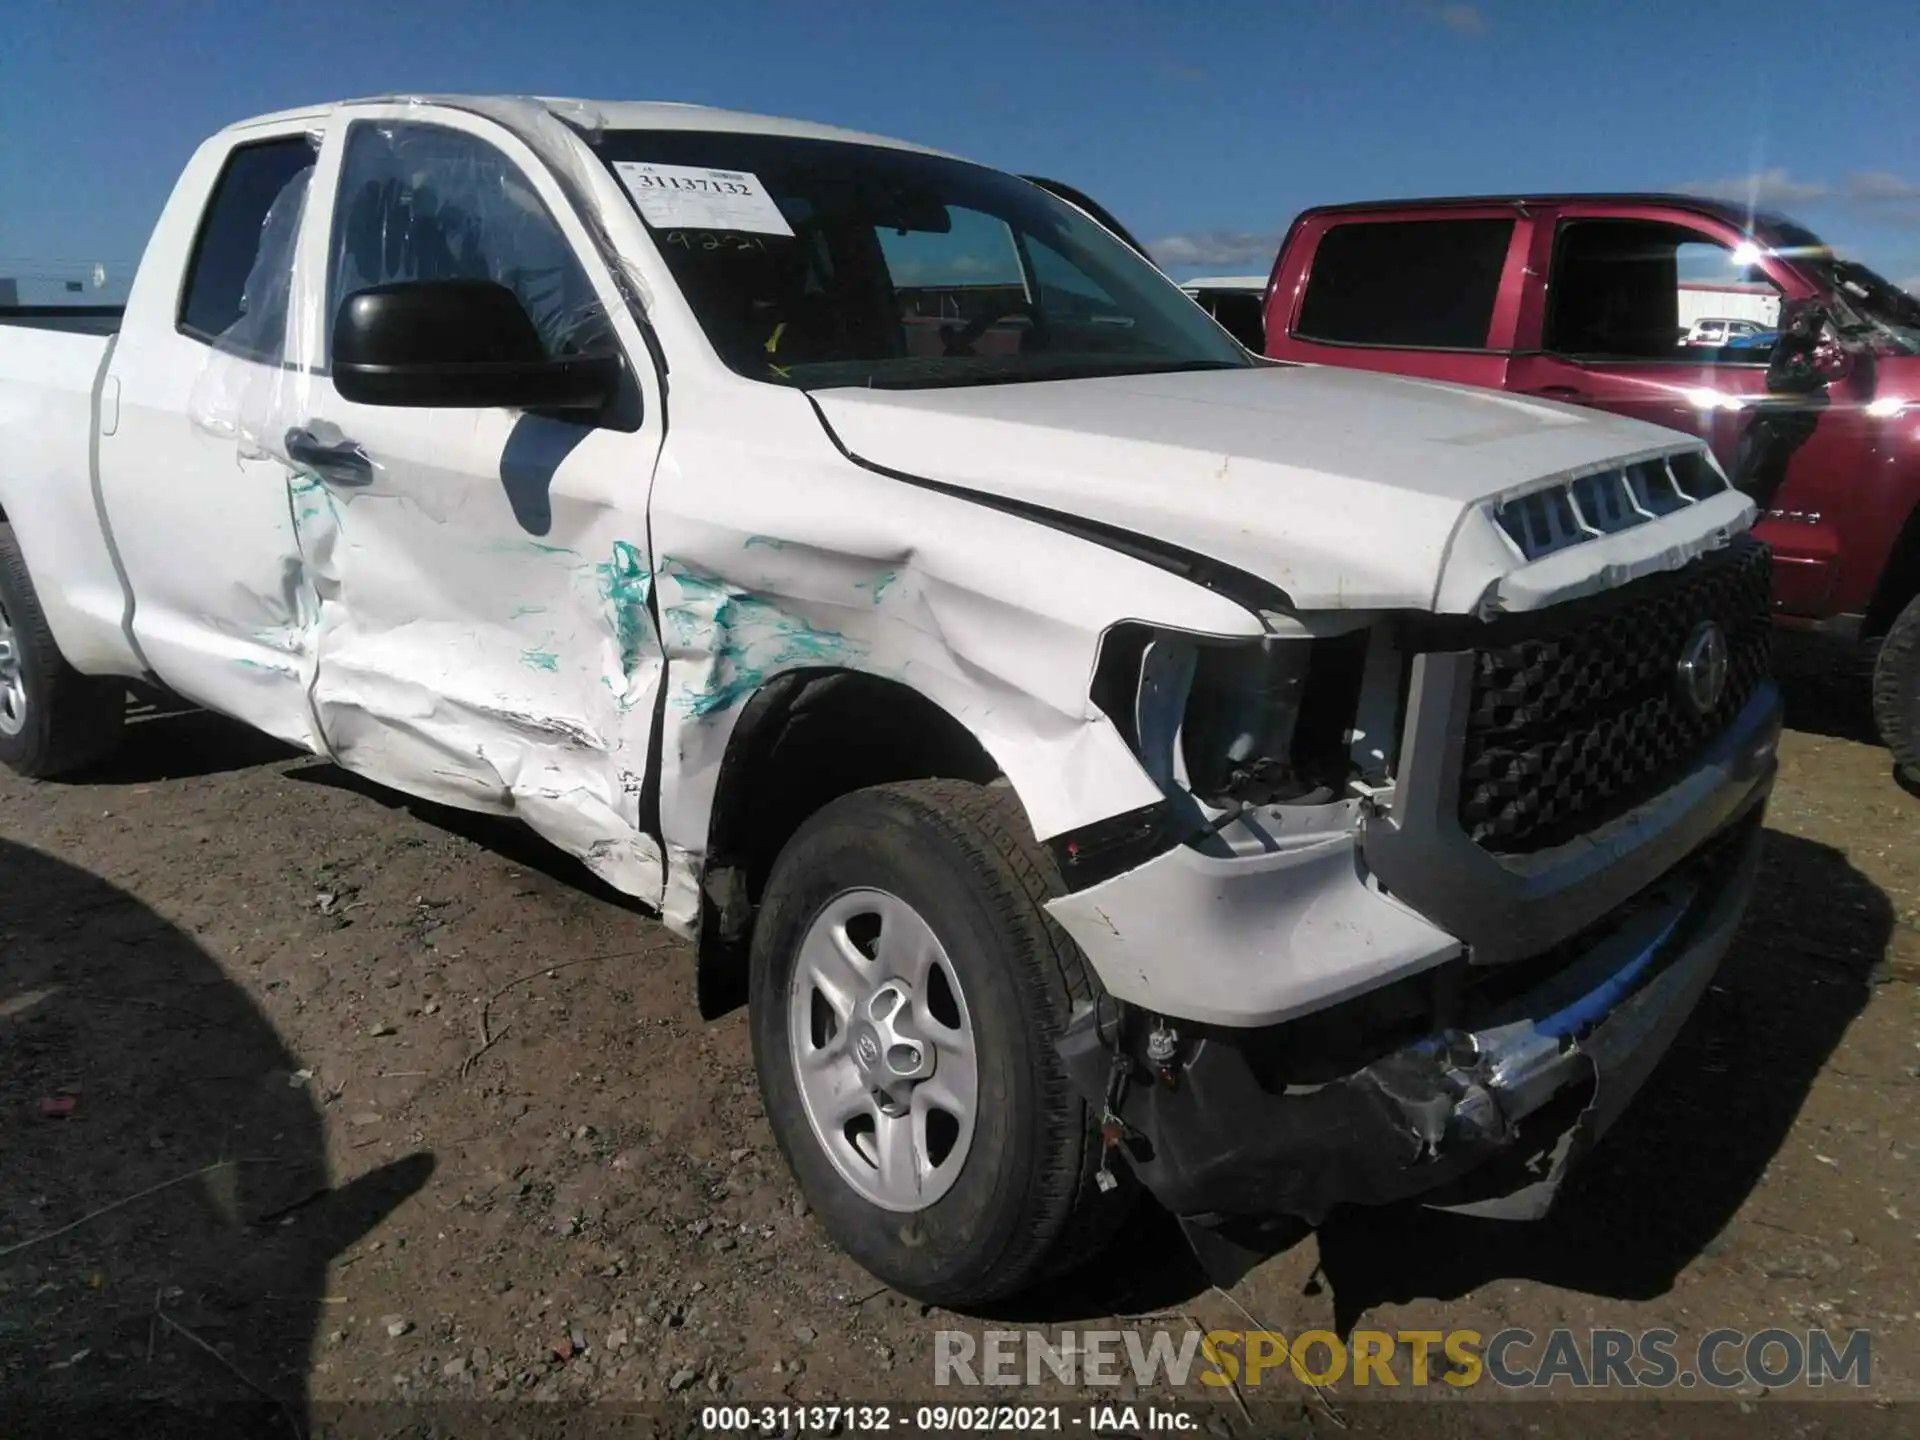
(239, 273)
(1429, 284)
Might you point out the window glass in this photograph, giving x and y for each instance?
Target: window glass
(970, 275)
(241, 269)
(1647, 290)
(824, 263)
(422, 202)
(1241, 314)
(1417, 284)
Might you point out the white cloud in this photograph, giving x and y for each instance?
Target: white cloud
(1883, 196)
(1461, 19)
(1215, 247)
(1877, 195)
(1767, 189)
(1872, 185)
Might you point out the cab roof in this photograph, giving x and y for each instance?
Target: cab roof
(609, 115)
(1727, 210)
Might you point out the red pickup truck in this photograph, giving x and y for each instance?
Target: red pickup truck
(1800, 369)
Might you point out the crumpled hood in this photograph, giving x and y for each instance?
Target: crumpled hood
(1343, 487)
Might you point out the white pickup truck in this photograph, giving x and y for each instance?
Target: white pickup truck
(1101, 758)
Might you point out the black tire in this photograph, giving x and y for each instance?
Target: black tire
(70, 720)
(1896, 691)
(1025, 1205)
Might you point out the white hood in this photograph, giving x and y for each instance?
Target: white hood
(1344, 488)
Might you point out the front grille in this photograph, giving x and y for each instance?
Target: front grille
(1577, 714)
(1607, 502)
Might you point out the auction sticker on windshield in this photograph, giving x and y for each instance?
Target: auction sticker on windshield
(692, 198)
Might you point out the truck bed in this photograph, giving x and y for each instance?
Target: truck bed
(74, 319)
(49, 367)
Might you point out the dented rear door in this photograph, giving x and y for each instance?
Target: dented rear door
(484, 580)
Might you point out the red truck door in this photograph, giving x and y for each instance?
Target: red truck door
(1431, 293)
(1623, 286)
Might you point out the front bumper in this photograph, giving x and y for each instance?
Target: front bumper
(1530, 1079)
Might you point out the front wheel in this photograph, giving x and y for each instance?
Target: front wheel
(1896, 690)
(907, 989)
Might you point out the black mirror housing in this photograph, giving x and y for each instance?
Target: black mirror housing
(457, 344)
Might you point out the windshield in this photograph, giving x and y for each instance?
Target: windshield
(821, 263)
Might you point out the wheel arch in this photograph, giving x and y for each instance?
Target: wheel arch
(1899, 580)
(804, 739)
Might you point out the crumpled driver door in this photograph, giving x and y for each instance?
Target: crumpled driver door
(484, 580)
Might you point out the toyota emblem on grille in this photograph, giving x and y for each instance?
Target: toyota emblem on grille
(1702, 671)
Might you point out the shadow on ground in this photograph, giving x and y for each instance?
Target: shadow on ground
(149, 1110)
(167, 739)
(1658, 1188)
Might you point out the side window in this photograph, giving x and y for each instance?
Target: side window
(1648, 290)
(1079, 313)
(967, 274)
(1413, 284)
(241, 268)
(1066, 290)
(1243, 316)
(422, 202)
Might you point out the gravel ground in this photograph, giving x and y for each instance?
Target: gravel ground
(415, 1111)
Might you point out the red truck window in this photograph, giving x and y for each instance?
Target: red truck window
(1651, 290)
(1416, 284)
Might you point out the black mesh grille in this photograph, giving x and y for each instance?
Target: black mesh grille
(1576, 720)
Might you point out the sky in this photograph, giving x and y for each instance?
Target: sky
(1204, 127)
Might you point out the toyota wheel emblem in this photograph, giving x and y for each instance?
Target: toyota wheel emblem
(1702, 672)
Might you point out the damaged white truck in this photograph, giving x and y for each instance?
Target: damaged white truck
(1103, 759)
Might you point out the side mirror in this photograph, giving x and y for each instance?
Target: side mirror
(457, 344)
(1802, 362)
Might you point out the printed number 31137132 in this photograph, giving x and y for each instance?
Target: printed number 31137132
(700, 186)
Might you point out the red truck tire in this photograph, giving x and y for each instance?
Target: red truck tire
(1896, 691)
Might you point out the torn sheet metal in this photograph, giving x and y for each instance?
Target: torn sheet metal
(820, 563)
(465, 659)
(1230, 1140)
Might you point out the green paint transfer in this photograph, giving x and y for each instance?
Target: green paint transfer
(626, 585)
(540, 660)
(747, 638)
(879, 585)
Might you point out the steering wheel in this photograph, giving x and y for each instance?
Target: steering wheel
(961, 341)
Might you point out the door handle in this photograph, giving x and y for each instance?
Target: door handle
(1561, 392)
(340, 462)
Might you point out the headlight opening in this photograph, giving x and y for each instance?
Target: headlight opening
(1239, 723)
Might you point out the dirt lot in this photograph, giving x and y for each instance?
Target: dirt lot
(241, 966)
